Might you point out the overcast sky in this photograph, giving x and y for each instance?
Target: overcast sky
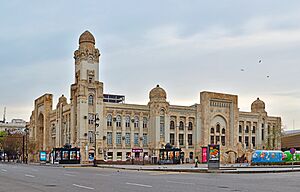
(184, 46)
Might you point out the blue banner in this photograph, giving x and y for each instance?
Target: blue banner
(265, 156)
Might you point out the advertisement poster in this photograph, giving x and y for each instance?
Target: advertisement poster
(57, 155)
(78, 155)
(65, 155)
(214, 152)
(204, 154)
(43, 156)
(91, 156)
(73, 155)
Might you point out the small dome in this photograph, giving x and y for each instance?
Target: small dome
(62, 99)
(157, 93)
(258, 106)
(86, 37)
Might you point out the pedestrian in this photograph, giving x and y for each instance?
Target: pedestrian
(196, 162)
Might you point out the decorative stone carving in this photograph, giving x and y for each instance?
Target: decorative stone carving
(89, 55)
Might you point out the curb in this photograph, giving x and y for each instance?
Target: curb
(225, 171)
(254, 172)
(155, 169)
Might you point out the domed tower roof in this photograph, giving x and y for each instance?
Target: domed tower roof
(157, 93)
(258, 106)
(61, 100)
(86, 37)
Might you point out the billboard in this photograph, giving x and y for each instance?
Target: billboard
(66, 155)
(43, 156)
(204, 154)
(214, 152)
(213, 156)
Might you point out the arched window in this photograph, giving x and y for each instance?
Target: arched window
(240, 129)
(145, 122)
(253, 129)
(181, 125)
(212, 139)
(212, 131)
(162, 123)
(91, 100)
(109, 120)
(218, 128)
(247, 129)
(223, 140)
(127, 121)
(136, 122)
(172, 125)
(223, 131)
(118, 121)
(190, 126)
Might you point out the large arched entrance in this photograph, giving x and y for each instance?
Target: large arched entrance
(232, 156)
(218, 130)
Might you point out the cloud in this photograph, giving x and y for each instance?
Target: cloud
(186, 47)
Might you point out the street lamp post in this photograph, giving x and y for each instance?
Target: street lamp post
(23, 149)
(96, 125)
(26, 145)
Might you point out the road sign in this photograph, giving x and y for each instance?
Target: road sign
(292, 150)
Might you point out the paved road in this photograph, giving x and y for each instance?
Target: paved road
(28, 178)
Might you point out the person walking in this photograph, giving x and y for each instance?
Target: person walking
(196, 162)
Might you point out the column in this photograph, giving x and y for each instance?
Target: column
(176, 135)
(114, 130)
(123, 130)
(132, 131)
(250, 135)
(186, 132)
(141, 130)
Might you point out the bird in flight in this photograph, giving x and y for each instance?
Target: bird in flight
(259, 61)
(268, 76)
(242, 70)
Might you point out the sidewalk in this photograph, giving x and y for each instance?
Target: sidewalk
(202, 168)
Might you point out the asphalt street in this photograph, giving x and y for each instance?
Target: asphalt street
(32, 178)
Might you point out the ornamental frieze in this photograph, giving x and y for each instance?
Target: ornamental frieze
(87, 54)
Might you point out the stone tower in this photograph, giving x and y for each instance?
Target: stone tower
(86, 96)
(258, 106)
(159, 118)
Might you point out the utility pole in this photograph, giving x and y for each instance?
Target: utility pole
(96, 125)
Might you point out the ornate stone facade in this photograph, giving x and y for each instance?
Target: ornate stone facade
(122, 127)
